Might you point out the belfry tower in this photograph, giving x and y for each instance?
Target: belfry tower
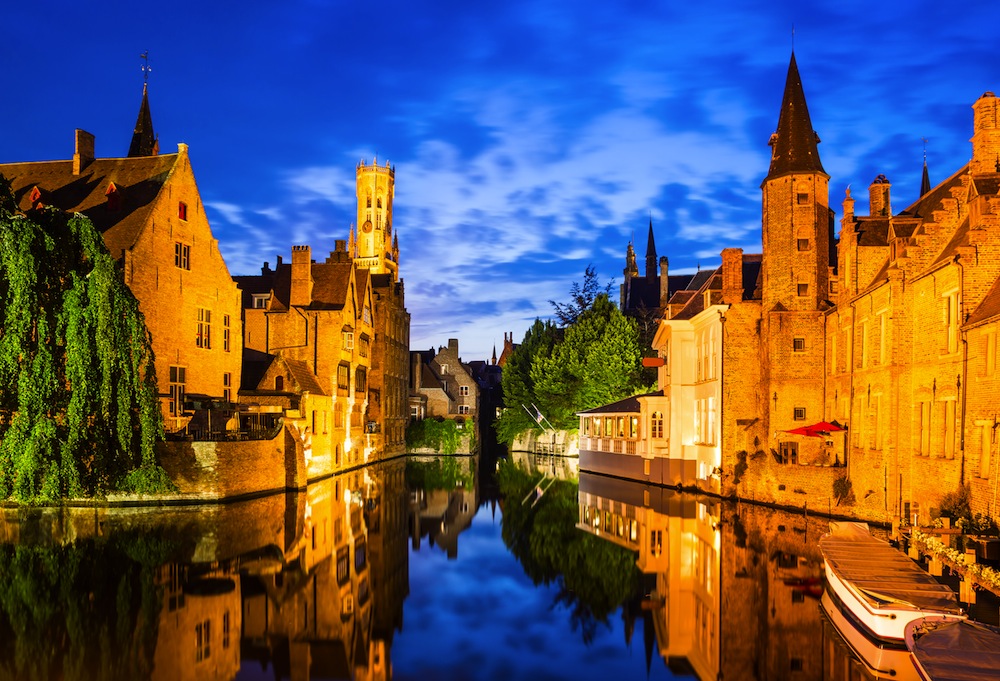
(797, 232)
(377, 247)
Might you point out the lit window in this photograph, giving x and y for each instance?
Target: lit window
(347, 338)
(260, 300)
(182, 256)
(203, 338)
(656, 424)
(177, 382)
(463, 390)
(182, 211)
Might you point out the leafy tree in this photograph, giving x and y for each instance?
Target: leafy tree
(582, 297)
(78, 407)
(518, 386)
(597, 362)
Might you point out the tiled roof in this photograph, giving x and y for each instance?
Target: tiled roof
(303, 376)
(989, 308)
(795, 142)
(630, 405)
(872, 231)
(138, 181)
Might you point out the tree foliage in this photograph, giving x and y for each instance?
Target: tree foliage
(594, 361)
(78, 400)
(582, 297)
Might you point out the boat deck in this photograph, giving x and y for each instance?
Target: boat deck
(882, 575)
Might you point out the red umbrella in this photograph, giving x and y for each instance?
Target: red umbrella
(817, 429)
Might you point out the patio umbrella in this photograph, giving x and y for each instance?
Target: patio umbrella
(816, 430)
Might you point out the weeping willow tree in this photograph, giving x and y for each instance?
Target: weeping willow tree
(78, 407)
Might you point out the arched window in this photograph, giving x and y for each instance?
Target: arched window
(656, 424)
(279, 382)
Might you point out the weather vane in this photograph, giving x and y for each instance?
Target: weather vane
(146, 68)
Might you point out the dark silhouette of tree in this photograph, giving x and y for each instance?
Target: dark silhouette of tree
(582, 297)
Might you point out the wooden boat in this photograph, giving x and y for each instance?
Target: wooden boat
(881, 660)
(953, 649)
(882, 590)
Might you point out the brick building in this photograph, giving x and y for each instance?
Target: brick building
(442, 385)
(148, 208)
(888, 332)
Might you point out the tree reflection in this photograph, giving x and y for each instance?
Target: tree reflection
(65, 614)
(594, 577)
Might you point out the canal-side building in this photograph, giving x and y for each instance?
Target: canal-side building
(855, 370)
(148, 207)
(442, 385)
(310, 336)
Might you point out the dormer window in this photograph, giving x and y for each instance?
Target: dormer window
(260, 300)
(114, 197)
(182, 211)
(36, 197)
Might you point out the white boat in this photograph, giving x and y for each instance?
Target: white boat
(881, 660)
(882, 590)
(954, 649)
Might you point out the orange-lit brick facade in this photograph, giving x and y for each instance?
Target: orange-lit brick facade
(153, 220)
(889, 331)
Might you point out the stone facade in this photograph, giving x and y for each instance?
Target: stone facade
(443, 385)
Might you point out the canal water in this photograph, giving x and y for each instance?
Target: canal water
(425, 568)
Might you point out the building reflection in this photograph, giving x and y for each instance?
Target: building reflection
(444, 496)
(732, 591)
(307, 585)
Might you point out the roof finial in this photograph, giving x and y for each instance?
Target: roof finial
(793, 39)
(146, 68)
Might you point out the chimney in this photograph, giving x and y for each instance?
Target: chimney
(985, 136)
(878, 193)
(300, 294)
(664, 281)
(84, 154)
(277, 264)
(732, 275)
(266, 269)
(453, 345)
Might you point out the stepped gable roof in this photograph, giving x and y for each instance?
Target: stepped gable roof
(143, 138)
(138, 181)
(794, 145)
(927, 203)
(988, 308)
(630, 405)
(303, 376)
(872, 231)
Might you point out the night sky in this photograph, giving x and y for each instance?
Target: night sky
(530, 139)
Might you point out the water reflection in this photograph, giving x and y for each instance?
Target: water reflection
(313, 584)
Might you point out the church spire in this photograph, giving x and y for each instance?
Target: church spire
(925, 181)
(144, 142)
(794, 145)
(651, 259)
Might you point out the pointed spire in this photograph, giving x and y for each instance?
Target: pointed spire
(144, 142)
(651, 259)
(794, 143)
(925, 181)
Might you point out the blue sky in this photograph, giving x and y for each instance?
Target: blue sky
(530, 138)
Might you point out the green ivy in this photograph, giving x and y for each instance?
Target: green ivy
(442, 435)
(79, 414)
